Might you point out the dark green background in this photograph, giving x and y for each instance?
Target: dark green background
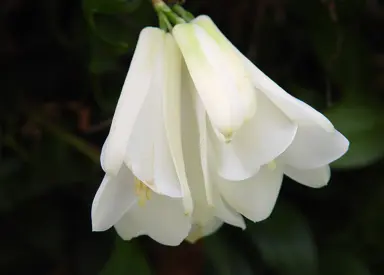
(62, 66)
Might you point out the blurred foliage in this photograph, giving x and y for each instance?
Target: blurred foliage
(62, 67)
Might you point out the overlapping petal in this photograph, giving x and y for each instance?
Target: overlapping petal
(134, 92)
(228, 99)
(113, 198)
(161, 218)
(314, 178)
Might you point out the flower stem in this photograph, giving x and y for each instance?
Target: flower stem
(164, 22)
(186, 15)
(161, 7)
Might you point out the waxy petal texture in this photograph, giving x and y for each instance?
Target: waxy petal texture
(132, 97)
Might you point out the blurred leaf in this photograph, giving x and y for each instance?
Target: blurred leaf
(224, 259)
(364, 130)
(285, 242)
(110, 6)
(113, 30)
(335, 263)
(103, 56)
(127, 258)
(114, 34)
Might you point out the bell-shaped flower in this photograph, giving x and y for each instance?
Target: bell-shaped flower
(313, 145)
(145, 139)
(257, 130)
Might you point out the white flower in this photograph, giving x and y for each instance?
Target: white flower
(145, 137)
(307, 142)
(260, 129)
(219, 77)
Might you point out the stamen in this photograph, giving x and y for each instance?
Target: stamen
(142, 192)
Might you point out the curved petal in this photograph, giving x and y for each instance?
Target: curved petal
(148, 153)
(172, 115)
(255, 197)
(134, 92)
(227, 214)
(197, 231)
(294, 108)
(103, 149)
(226, 97)
(314, 147)
(161, 218)
(192, 121)
(140, 151)
(208, 202)
(315, 178)
(113, 198)
(263, 138)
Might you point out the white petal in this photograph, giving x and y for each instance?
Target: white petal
(218, 89)
(202, 133)
(172, 115)
(258, 142)
(255, 197)
(148, 152)
(113, 198)
(314, 147)
(161, 218)
(197, 232)
(134, 92)
(140, 152)
(206, 197)
(226, 213)
(236, 69)
(103, 149)
(191, 147)
(315, 178)
(292, 107)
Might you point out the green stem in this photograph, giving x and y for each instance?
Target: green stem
(186, 15)
(161, 7)
(164, 22)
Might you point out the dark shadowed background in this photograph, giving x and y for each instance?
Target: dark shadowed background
(62, 66)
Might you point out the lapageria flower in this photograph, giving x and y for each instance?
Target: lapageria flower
(145, 189)
(285, 135)
(274, 124)
(142, 156)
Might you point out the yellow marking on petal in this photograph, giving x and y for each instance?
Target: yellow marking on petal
(142, 192)
(272, 165)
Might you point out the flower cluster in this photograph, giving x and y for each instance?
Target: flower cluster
(202, 137)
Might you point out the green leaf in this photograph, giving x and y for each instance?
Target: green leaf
(285, 242)
(114, 30)
(114, 35)
(127, 258)
(364, 130)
